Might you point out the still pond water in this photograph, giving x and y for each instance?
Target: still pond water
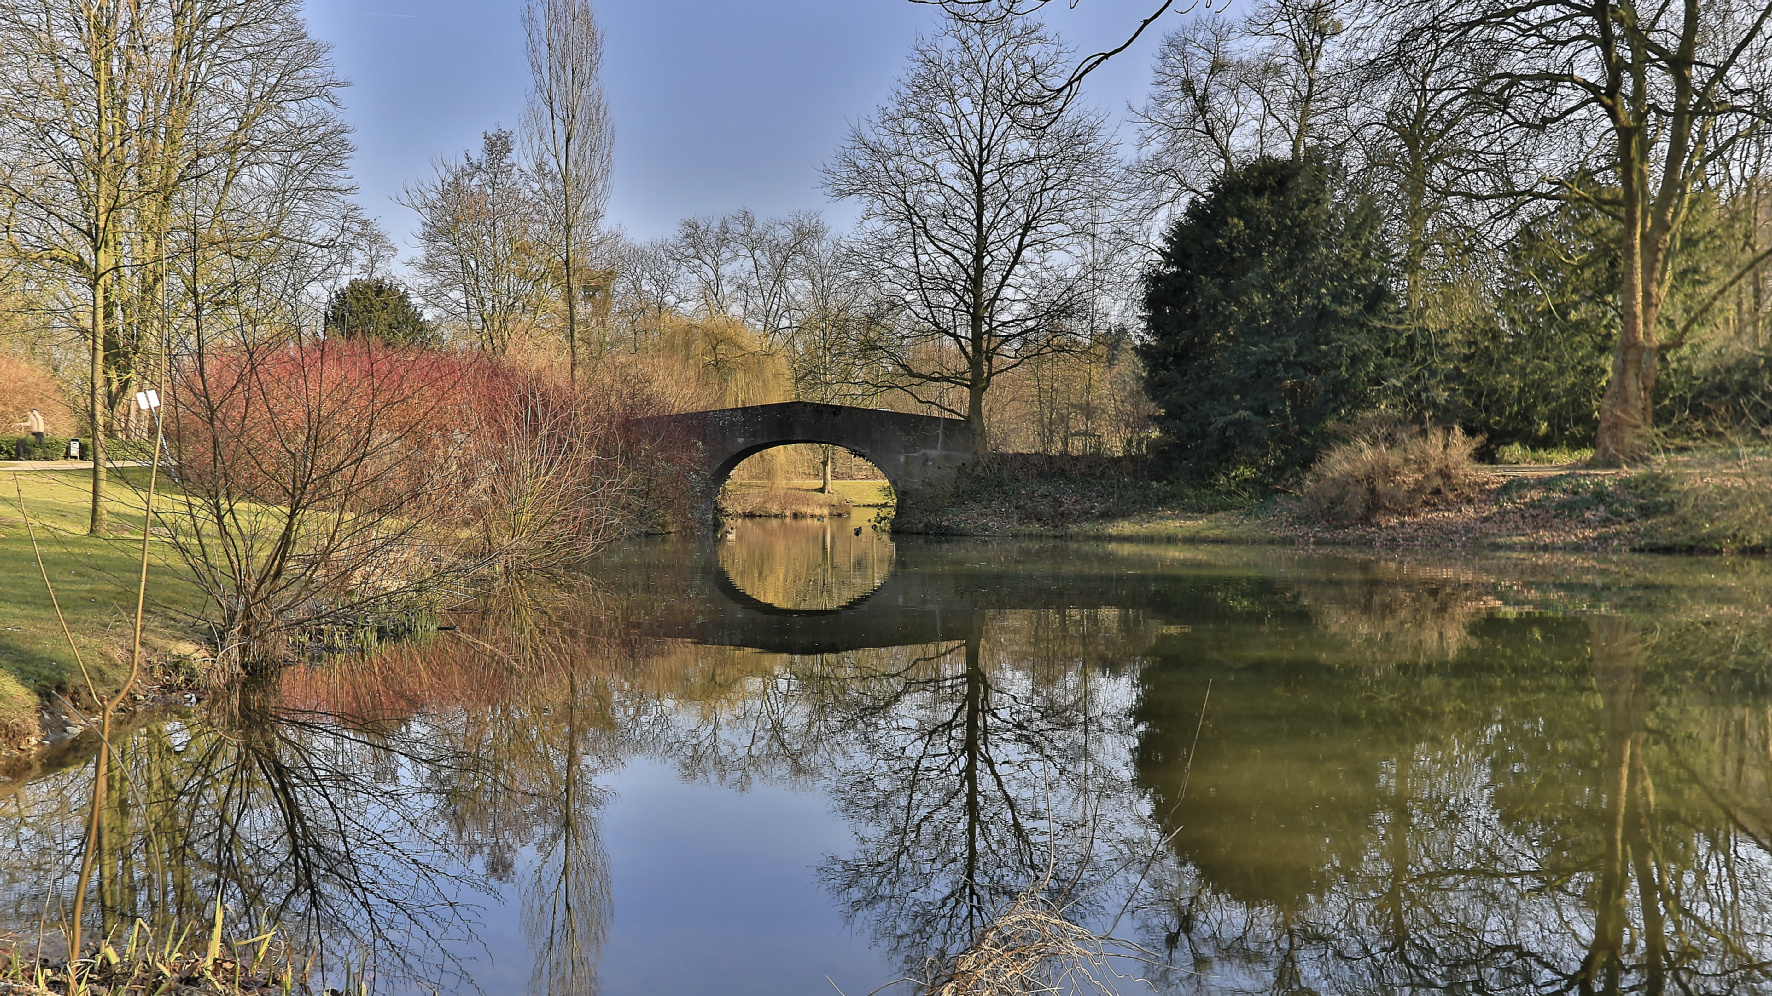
(803, 757)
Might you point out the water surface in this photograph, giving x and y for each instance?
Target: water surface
(805, 756)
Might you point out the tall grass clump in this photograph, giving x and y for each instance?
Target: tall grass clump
(1715, 500)
(195, 958)
(1028, 948)
(1384, 466)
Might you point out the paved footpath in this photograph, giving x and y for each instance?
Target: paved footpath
(10, 465)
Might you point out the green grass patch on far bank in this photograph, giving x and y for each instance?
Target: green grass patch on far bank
(95, 580)
(802, 499)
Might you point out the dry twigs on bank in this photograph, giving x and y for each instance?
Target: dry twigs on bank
(1029, 948)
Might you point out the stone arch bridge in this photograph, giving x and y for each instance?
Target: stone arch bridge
(916, 452)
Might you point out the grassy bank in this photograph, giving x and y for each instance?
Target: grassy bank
(95, 580)
(1018, 494)
(801, 499)
(1711, 499)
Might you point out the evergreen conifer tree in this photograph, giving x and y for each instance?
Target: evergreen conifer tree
(1266, 318)
(378, 309)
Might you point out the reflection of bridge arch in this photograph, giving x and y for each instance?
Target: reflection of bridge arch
(937, 592)
(797, 564)
(914, 451)
(887, 616)
(724, 583)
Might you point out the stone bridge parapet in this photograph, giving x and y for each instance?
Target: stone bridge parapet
(916, 452)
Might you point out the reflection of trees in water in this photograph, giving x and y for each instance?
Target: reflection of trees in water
(778, 563)
(526, 770)
(969, 771)
(360, 826)
(1507, 823)
(1398, 612)
(306, 825)
(1496, 803)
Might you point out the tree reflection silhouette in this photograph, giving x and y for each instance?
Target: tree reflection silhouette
(529, 779)
(1487, 823)
(1401, 783)
(300, 824)
(969, 777)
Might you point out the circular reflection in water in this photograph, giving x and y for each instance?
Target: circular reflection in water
(803, 564)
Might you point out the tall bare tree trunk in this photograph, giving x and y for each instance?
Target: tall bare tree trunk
(567, 128)
(106, 151)
(571, 291)
(1627, 411)
(96, 403)
(978, 380)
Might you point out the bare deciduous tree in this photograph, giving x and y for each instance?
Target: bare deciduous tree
(646, 288)
(981, 205)
(568, 130)
(746, 267)
(1226, 91)
(477, 225)
(121, 117)
(1066, 90)
(1657, 98)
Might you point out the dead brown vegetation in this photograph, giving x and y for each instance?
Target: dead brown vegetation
(777, 502)
(1388, 467)
(1026, 949)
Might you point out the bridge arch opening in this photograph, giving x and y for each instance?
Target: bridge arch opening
(804, 480)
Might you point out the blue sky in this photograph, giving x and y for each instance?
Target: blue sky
(717, 104)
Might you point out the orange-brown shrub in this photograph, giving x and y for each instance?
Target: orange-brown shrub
(328, 480)
(25, 385)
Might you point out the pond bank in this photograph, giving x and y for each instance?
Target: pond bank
(1701, 502)
(95, 580)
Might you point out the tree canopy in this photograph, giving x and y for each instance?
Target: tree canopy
(374, 308)
(1265, 317)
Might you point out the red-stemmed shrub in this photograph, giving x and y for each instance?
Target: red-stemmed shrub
(326, 481)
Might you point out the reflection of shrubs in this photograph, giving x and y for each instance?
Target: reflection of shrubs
(1396, 613)
(1387, 467)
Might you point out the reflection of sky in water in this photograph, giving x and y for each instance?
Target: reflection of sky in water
(713, 891)
(1406, 778)
(716, 891)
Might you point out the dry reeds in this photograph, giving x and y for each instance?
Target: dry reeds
(1387, 467)
(142, 960)
(1029, 948)
(1715, 500)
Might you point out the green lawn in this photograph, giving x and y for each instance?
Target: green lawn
(94, 578)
